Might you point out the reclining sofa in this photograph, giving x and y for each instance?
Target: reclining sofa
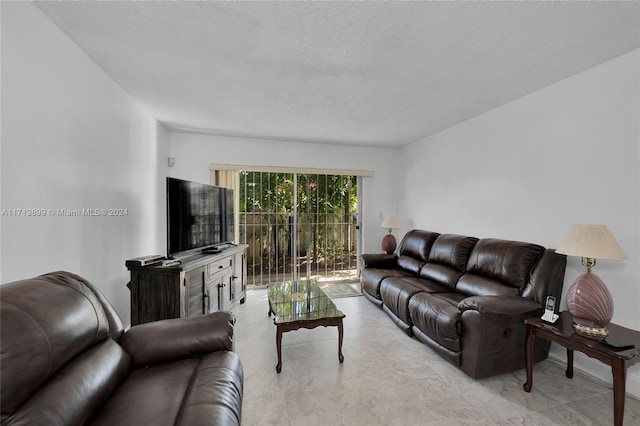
(67, 361)
(464, 297)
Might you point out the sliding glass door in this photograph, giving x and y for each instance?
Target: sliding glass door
(299, 225)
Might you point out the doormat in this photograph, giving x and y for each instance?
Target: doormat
(338, 291)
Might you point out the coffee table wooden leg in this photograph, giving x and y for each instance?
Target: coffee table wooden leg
(340, 356)
(619, 370)
(528, 358)
(279, 348)
(569, 372)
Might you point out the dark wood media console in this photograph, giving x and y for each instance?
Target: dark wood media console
(200, 284)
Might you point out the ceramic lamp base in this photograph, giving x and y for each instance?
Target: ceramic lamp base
(388, 243)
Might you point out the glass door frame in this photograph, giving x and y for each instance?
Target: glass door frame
(232, 179)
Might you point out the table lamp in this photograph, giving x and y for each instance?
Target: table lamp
(588, 299)
(389, 241)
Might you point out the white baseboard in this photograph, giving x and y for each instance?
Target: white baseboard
(596, 369)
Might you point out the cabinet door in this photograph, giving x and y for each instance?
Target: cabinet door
(212, 295)
(239, 280)
(194, 282)
(227, 292)
(219, 281)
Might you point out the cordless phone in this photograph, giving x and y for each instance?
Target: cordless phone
(549, 310)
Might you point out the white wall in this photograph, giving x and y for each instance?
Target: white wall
(530, 169)
(73, 139)
(194, 153)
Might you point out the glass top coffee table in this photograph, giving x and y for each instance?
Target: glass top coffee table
(302, 304)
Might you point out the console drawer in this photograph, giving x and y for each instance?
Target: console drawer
(219, 266)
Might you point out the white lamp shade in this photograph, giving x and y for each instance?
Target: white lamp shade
(390, 222)
(594, 241)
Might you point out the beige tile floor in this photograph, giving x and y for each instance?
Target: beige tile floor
(388, 378)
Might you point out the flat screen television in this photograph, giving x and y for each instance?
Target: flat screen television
(199, 216)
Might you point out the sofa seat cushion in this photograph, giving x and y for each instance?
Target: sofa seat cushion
(370, 278)
(396, 293)
(150, 395)
(184, 392)
(438, 316)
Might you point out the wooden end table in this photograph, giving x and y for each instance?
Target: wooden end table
(562, 332)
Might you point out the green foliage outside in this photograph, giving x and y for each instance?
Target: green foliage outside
(325, 206)
(272, 192)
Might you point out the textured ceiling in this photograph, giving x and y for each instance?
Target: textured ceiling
(360, 73)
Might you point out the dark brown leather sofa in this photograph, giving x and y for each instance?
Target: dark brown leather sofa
(464, 297)
(67, 361)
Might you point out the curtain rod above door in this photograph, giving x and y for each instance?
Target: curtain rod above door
(282, 169)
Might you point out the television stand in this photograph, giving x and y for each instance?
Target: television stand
(201, 283)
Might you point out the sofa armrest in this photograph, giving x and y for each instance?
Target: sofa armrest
(379, 260)
(502, 309)
(179, 338)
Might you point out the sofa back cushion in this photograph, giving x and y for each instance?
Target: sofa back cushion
(499, 268)
(414, 249)
(47, 321)
(448, 259)
(547, 278)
